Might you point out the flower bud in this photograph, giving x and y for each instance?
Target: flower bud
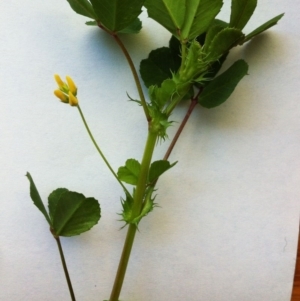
(59, 81)
(62, 96)
(72, 86)
(73, 101)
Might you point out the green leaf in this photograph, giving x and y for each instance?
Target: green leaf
(91, 23)
(175, 47)
(83, 7)
(211, 33)
(157, 168)
(218, 90)
(223, 42)
(53, 199)
(158, 66)
(169, 13)
(199, 15)
(72, 213)
(130, 172)
(116, 15)
(241, 12)
(134, 27)
(34, 194)
(263, 27)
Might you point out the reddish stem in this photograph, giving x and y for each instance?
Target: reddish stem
(192, 106)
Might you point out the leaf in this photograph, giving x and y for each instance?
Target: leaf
(157, 168)
(34, 194)
(175, 47)
(130, 172)
(211, 33)
(53, 199)
(134, 27)
(116, 15)
(263, 27)
(169, 13)
(199, 15)
(218, 90)
(72, 213)
(241, 12)
(223, 42)
(84, 8)
(158, 66)
(91, 23)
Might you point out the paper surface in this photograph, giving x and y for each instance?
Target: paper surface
(227, 225)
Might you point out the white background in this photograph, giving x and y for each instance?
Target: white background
(229, 217)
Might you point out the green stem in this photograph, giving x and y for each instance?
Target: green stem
(99, 150)
(62, 257)
(183, 55)
(137, 207)
(182, 91)
(135, 76)
(116, 290)
(142, 180)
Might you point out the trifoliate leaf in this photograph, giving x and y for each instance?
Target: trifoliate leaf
(157, 168)
(168, 13)
(263, 27)
(241, 12)
(134, 27)
(223, 42)
(130, 172)
(158, 66)
(72, 213)
(116, 15)
(34, 194)
(219, 89)
(199, 15)
(53, 199)
(84, 8)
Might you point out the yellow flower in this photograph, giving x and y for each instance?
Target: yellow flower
(73, 101)
(72, 86)
(62, 96)
(60, 83)
(66, 92)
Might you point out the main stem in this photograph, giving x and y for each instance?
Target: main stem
(137, 206)
(63, 261)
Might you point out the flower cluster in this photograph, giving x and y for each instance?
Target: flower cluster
(66, 92)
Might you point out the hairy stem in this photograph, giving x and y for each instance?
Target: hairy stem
(99, 150)
(137, 206)
(63, 261)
